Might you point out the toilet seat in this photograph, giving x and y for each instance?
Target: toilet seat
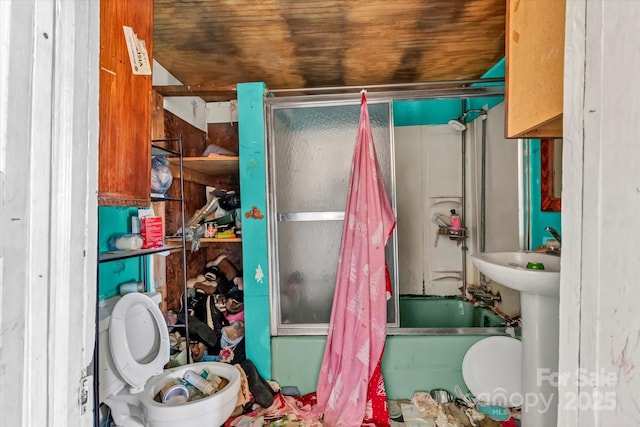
(491, 368)
(139, 339)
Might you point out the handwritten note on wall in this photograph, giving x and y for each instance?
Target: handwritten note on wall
(137, 52)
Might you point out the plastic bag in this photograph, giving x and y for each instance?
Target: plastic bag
(161, 177)
(216, 149)
(122, 242)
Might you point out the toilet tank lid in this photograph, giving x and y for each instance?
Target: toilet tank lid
(105, 307)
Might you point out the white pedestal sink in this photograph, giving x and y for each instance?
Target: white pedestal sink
(539, 311)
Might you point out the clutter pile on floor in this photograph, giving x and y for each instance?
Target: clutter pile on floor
(284, 410)
(215, 314)
(443, 411)
(422, 410)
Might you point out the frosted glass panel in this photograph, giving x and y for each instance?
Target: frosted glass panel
(308, 261)
(311, 249)
(310, 165)
(313, 151)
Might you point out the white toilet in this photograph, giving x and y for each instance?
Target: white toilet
(491, 368)
(133, 350)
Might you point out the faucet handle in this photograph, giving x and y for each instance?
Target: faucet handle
(553, 244)
(552, 247)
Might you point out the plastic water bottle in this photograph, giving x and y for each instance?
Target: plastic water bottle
(198, 382)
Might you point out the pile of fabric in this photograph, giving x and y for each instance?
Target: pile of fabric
(286, 410)
(215, 314)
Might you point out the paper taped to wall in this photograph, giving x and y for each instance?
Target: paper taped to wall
(137, 52)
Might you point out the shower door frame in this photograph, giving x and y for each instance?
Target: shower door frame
(271, 106)
(273, 103)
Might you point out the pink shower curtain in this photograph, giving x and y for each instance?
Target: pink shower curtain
(350, 387)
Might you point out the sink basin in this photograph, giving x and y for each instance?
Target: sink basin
(510, 269)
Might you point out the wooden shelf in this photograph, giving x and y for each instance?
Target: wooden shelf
(212, 165)
(201, 169)
(205, 240)
(116, 255)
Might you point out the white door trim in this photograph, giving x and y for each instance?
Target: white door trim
(48, 206)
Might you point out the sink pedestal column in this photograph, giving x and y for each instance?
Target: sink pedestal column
(540, 336)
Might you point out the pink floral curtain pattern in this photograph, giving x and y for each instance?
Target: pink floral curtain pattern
(350, 387)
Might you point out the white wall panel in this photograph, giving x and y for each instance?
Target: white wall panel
(599, 292)
(408, 155)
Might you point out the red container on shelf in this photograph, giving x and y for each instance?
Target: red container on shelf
(152, 232)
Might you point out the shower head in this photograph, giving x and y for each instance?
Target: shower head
(458, 124)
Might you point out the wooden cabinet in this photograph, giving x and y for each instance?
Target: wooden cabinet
(124, 158)
(534, 68)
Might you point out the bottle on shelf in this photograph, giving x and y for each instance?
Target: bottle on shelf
(456, 224)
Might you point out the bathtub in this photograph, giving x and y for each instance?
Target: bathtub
(426, 352)
(442, 313)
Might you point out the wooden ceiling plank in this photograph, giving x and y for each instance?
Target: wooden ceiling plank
(289, 43)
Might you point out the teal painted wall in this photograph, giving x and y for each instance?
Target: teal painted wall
(114, 220)
(440, 111)
(251, 128)
(425, 112)
(538, 219)
(497, 71)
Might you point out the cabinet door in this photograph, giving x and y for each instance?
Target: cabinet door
(125, 106)
(534, 68)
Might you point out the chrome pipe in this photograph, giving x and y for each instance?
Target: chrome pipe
(464, 249)
(397, 95)
(483, 185)
(390, 85)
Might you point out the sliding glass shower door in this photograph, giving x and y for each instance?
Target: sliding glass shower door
(310, 149)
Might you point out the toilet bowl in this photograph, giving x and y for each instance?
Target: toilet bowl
(133, 350)
(491, 369)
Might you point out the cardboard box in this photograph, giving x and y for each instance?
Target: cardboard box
(152, 232)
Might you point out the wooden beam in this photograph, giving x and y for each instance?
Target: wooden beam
(222, 92)
(157, 116)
